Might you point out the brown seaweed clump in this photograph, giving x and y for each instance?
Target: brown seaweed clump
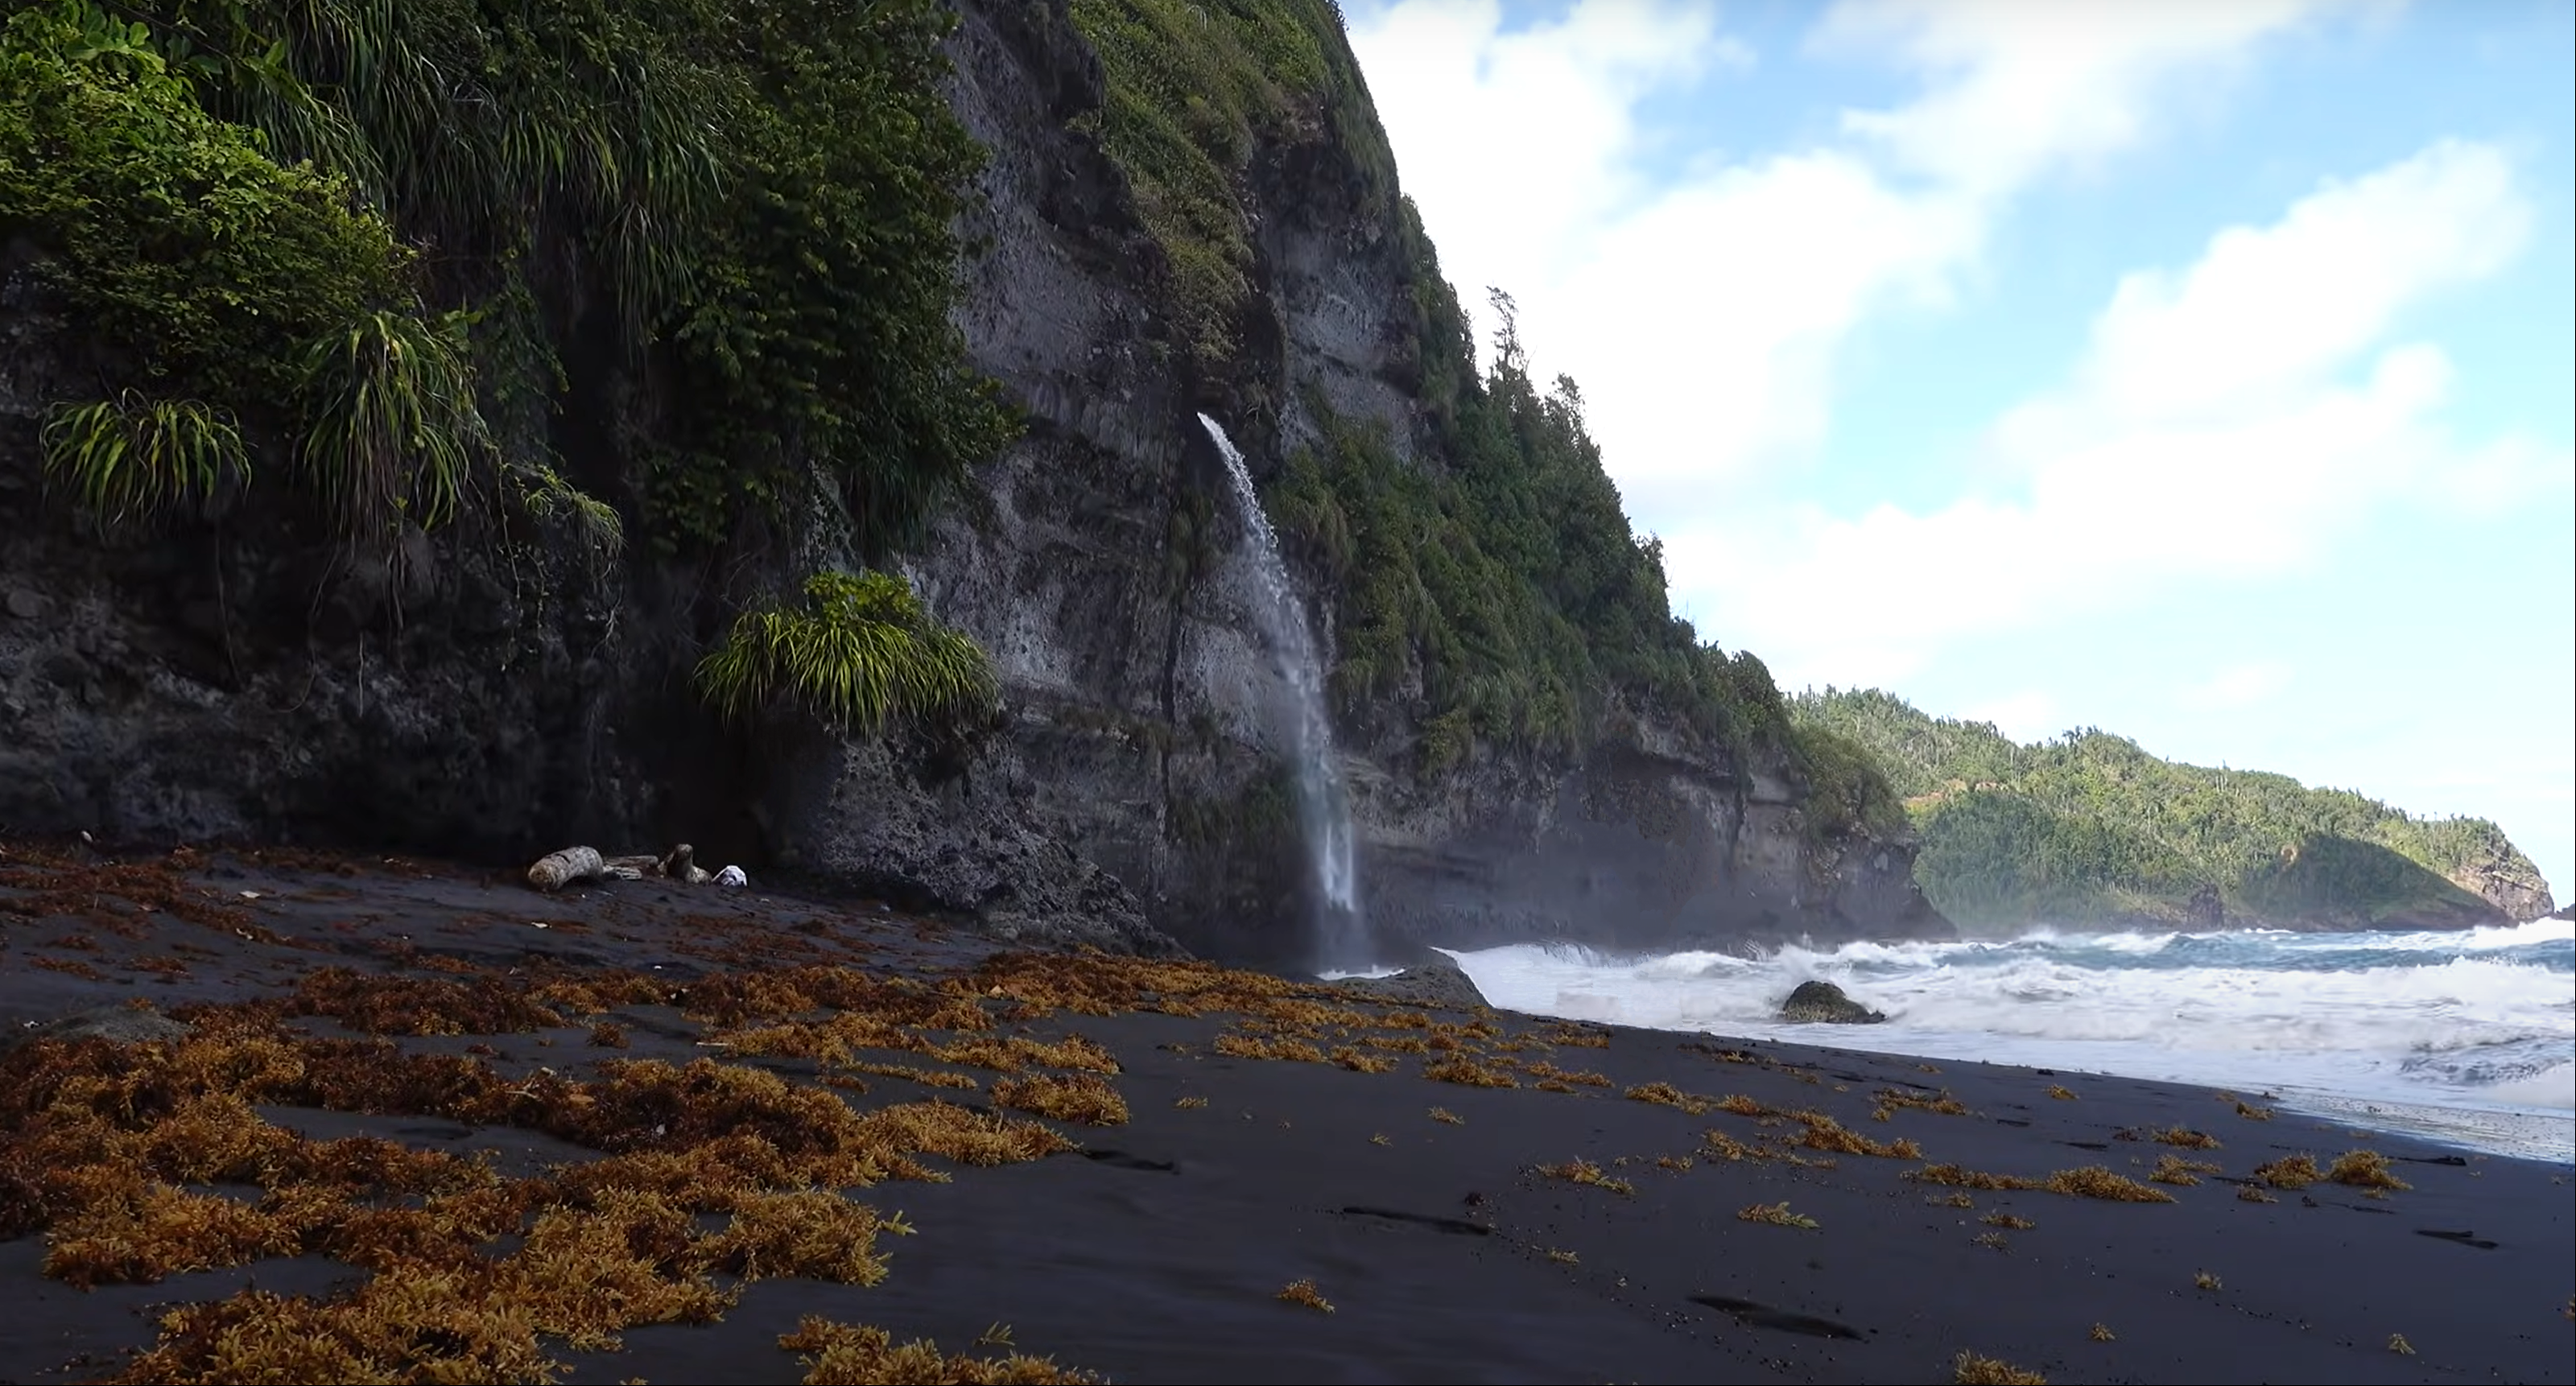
(1582, 1171)
(1969, 1369)
(1304, 1292)
(2093, 1181)
(1236, 1046)
(378, 1005)
(1941, 1102)
(1824, 1133)
(1084, 1097)
(1666, 1095)
(1776, 1214)
(2290, 1172)
(1467, 1072)
(2174, 1169)
(106, 1147)
(2365, 1169)
(2090, 1181)
(856, 1355)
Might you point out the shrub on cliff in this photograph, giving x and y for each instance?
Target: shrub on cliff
(857, 652)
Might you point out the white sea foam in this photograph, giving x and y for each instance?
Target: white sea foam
(2481, 1021)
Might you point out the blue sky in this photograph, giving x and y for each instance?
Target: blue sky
(2196, 369)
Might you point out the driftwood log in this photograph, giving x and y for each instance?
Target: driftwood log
(555, 870)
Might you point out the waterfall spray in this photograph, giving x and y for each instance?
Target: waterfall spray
(1323, 804)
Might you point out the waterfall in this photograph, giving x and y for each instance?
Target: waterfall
(1322, 803)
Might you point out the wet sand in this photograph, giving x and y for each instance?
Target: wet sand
(1600, 1219)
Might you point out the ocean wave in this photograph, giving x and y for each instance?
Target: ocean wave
(2483, 1018)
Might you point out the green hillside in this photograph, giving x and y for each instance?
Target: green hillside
(2089, 829)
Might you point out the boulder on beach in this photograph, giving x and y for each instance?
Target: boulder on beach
(1824, 1003)
(1433, 979)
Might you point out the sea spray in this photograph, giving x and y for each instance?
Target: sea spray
(1323, 804)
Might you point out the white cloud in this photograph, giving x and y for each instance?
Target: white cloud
(1475, 114)
(2033, 85)
(2275, 308)
(2241, 685)
(1703, 316)
(2225, 422)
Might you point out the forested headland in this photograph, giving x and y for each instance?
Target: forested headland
(2090, 830)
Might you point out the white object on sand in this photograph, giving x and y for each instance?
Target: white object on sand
(732, 876)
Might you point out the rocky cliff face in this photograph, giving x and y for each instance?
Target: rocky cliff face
(233, 681)
(2509, 882)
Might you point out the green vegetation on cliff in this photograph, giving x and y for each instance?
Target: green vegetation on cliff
(2090, 829)
(1497, 597)
(857, 650)
(1193, 86)
(389, 254)
(1489, 592)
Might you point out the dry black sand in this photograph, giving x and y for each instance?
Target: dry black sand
(1157, 1250)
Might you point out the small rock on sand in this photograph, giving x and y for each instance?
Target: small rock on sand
(120, 1024)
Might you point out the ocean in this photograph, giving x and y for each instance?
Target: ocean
(2464, 1038)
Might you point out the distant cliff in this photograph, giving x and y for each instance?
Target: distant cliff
(935, 292)
(2090, 830)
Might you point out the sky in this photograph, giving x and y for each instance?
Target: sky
(2199, 370)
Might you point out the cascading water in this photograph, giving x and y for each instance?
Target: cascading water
(1322, 803)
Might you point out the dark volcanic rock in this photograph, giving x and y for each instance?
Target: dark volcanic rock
(1434, 980)
(1824, 1003)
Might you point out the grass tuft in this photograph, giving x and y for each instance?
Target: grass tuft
(135, 458)
(858, 652)
(391, 434)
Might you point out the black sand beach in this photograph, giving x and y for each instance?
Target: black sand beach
(1510, 1199)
